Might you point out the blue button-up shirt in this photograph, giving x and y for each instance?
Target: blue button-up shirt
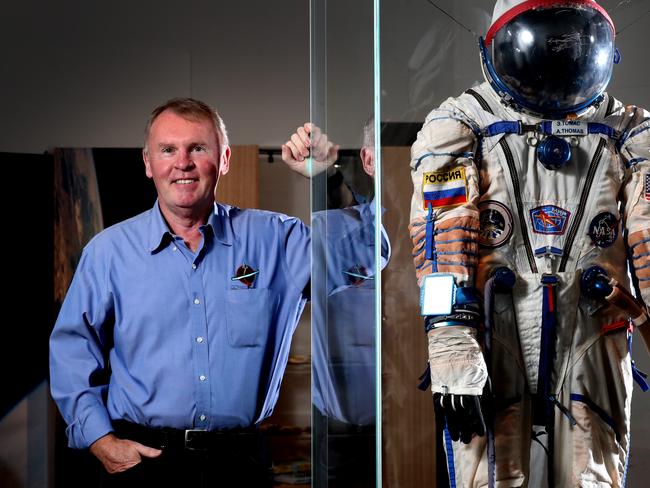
(343, 312)
(189, 344)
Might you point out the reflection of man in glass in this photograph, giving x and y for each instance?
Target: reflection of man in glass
(172, 341)
(343, 326)
(530, 193)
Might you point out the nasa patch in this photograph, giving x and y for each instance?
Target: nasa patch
(496, 223)
(603, 229)
(549, 219)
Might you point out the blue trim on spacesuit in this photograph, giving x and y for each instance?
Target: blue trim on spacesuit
(451, 468)
(430, 242)
(626, 133)
(452, 155)
(503, 127)
(637, 268)
(627, 461)
(643, 241)
(466, 122)
(548, 335)
(464, 264)
(418, 247)
(639, 376)
(453, 241)
(598, 411)
(597, 128)
(457, 227)
(634, 162)
(637, 130)
(451, 253)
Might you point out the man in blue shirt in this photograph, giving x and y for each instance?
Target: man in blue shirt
(193, 305)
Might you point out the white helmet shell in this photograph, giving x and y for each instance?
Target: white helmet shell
(506, 10)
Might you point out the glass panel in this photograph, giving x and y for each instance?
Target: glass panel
(344, 274)
(430, 52)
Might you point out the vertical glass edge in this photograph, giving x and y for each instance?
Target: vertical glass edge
(311, 21)
(378, 243)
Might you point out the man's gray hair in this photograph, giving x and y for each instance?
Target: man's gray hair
(190, 109)
(369, 134)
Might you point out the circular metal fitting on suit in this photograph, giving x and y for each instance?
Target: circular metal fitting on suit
(554, 153)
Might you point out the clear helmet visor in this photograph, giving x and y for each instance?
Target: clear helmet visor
(555, 60)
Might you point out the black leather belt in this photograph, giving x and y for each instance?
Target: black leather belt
(190, 439)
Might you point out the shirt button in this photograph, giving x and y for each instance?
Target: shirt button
(196, 301)
(199, 339)
(202, 418)
(202, 377)
(194, 266)
(174, 248)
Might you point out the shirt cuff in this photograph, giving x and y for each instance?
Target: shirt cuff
(82, 433)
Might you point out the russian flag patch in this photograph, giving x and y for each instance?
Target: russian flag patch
(444, 188)
(646, 187)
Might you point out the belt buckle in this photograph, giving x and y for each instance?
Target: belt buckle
(196, 439)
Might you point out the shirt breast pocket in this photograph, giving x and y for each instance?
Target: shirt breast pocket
(351, 315)
(247, 316)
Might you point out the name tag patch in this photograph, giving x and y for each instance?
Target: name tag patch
(444, 188)
(569, 128)
(549, 219)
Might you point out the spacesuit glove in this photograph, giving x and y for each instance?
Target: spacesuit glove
(462, 414)
(456, 361)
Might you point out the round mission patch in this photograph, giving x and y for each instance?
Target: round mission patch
(603, 229)
(496, 223)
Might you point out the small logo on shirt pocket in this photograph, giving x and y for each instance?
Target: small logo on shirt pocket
(246, 275)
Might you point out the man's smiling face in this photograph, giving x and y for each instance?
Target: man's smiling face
(185, 159)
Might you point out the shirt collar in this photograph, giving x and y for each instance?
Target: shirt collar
(160, 235)
(221, 224)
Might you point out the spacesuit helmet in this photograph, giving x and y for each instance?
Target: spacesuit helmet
(550, 58)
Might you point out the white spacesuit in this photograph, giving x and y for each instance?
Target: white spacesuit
(522, 185)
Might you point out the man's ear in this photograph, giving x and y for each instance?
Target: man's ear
(368, 160)
(224, 163)
(147, 166)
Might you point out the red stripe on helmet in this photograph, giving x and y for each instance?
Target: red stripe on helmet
(531, 4)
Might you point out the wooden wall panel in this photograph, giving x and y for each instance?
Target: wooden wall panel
(240, 187)
(77, 210)
(408, 419)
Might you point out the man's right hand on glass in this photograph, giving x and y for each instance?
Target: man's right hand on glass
(309, 140)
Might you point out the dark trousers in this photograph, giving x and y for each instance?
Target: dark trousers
(343, 454)
(234, 459)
